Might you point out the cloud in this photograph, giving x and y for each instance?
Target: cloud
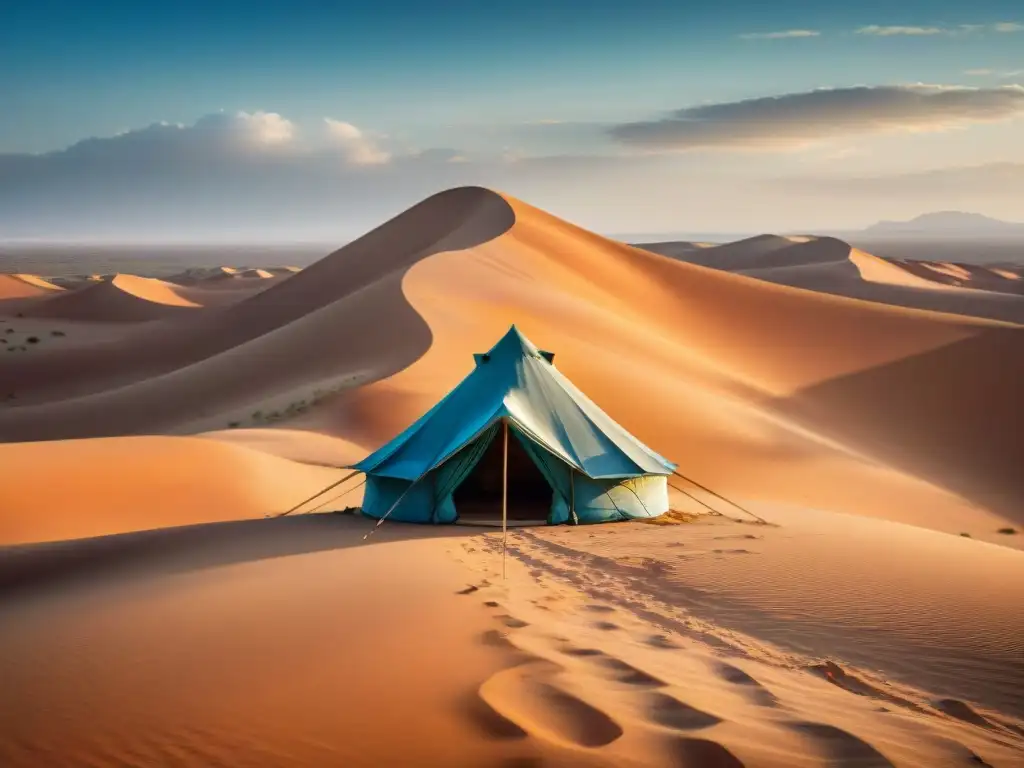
(878, 31)
(920, 31)
(254, 175)
(784, 34)
(267, 127)
(798, 119)
(359, 149)
(985, 72)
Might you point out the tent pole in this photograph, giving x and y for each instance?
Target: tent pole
(504, 501)
(573, 520)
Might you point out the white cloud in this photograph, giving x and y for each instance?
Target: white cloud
(359, 149)
(267, 128)
(782, 35)
(879, 31)
(927, 31)
(799, 119)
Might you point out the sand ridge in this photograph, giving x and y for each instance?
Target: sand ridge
(830, 265)
(757, 388)
(839, 634)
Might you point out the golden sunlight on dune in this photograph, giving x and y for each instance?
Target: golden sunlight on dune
(870, 412)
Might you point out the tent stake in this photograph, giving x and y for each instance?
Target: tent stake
(504, 502)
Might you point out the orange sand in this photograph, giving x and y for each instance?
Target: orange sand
(292, 643)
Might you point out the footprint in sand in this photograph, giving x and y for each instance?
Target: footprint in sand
(961, 710)
(623, 672)
(842, 748)
(512, 622)
(495, 638)
(583, 652)
(840, 678)
(670, 712)
(605, 626)
(703, 753)
(488, 721)
(526, 696)
(661, 642)
(468, 590)
(491, 604)
(598, 608)
(757, 693)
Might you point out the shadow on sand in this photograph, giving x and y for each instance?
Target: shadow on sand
(29, 568)
(952, 416)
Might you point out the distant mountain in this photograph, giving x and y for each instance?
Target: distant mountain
(946, 224)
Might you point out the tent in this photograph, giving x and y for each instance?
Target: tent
(516, 416)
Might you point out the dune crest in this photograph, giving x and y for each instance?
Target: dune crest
(758, 388)
(121, 298)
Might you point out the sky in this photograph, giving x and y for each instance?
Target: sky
(319, 120)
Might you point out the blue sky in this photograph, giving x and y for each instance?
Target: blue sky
(490, 83)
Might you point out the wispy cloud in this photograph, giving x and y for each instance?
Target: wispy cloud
(879, 31)
(799, 119)
(986, 72)
(781, 35)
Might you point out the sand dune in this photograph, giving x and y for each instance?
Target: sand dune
(822, 639)
(593, 653)
(122, 298)
(830, 265)
(761, 389)
(229, 277)
(25, 286)
(753, 252)
(137, 483)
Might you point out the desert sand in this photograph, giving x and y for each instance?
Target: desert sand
(873, 622)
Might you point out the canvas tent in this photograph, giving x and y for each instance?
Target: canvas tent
(586, 467)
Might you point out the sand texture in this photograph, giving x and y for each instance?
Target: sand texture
(869, 409)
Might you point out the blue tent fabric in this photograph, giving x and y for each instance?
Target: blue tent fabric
(596, 469)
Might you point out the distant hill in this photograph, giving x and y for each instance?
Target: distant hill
(946, 224)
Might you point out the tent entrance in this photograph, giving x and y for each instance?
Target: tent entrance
(478, 497)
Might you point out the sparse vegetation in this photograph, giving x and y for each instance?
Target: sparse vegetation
(234, 424)
(257, 415)
(966, 535)
(1007, 531)
(9, 330)
(32, 339)
(57, 333)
